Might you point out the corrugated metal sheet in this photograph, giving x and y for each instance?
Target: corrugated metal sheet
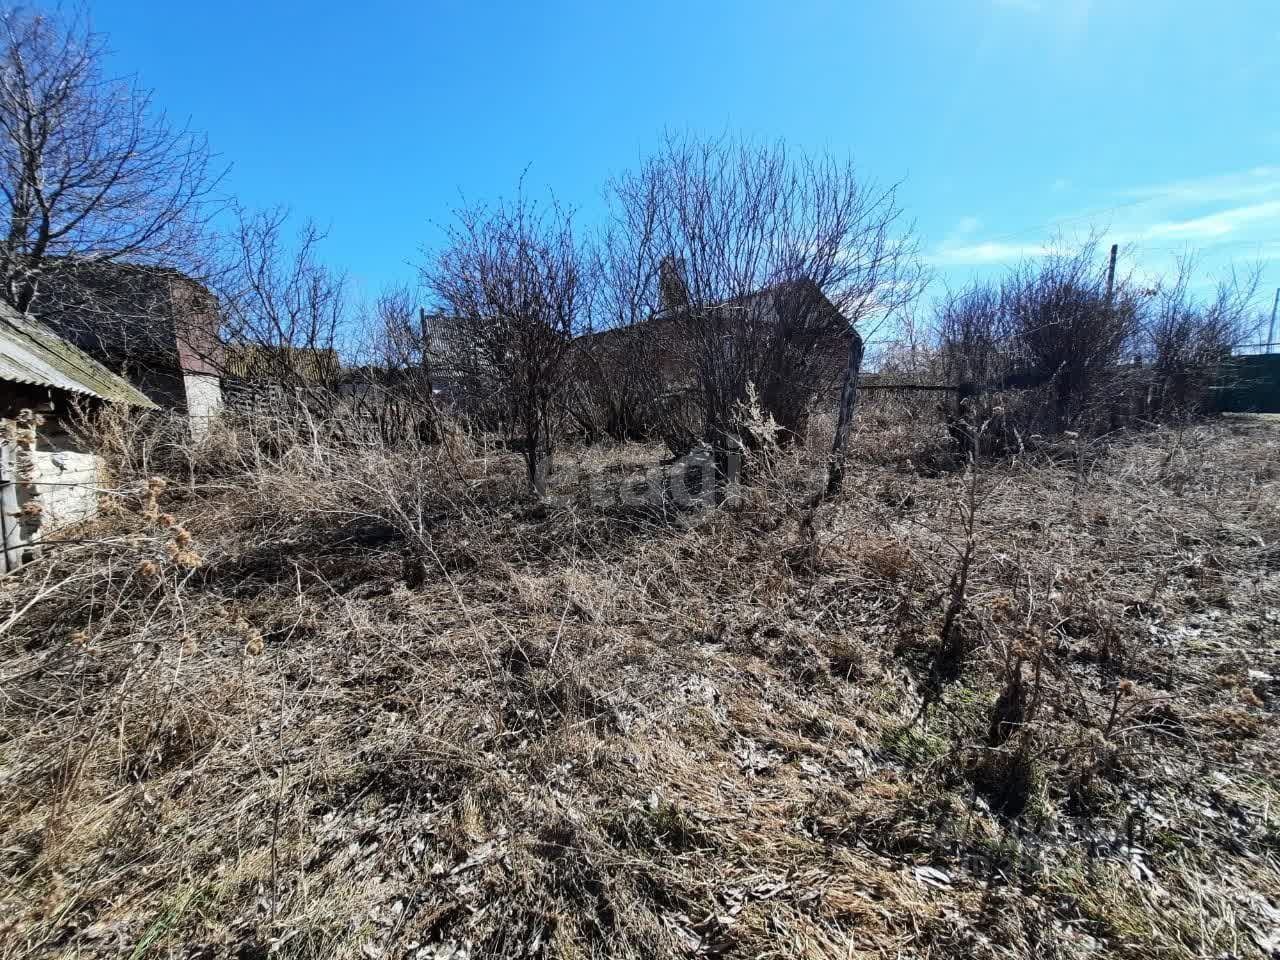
(1249, 384)
(32, 353)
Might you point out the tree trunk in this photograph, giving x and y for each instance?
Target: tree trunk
(538, 454)
(539, 468)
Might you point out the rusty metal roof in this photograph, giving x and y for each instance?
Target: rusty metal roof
(32, 353)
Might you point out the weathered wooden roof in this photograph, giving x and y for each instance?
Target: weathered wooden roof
(255, 361)
(32, 353)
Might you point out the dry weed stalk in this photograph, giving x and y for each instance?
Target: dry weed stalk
(585, 729)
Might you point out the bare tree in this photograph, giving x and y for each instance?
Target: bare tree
(909, 349)
(88, 171)
(513, 291)
(398, 370)
(619, 387)
(283, 310)
(755, 263)
(399, 333)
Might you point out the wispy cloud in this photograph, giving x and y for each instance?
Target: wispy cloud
(1257, 182)
(984, 254)
(1216, 214)
(1215, 226)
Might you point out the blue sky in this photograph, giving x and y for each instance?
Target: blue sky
(1006, 120)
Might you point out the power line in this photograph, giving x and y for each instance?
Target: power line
(1059, 221)
(1051, 225)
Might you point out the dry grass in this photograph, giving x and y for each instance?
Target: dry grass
(377, 705)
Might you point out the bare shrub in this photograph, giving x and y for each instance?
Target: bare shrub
(1072, 332)
(975, 336)
(613, 390)
(513, 290)
(623, 386)
(1190, 341)
(1054, 332)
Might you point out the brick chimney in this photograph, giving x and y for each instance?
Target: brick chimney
(673, 287)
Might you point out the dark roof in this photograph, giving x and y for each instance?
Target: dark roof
(669, 318)
(33, 354)
(800, 288)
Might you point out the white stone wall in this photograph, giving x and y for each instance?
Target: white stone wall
(66, 486)
(45, 483)
(204, 400)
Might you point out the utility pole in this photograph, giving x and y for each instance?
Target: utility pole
(1111, 273)
(1271, 328)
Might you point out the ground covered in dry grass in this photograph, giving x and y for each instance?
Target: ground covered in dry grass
(320, 703)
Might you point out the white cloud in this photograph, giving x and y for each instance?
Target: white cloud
(1258, 182)
(1215, 226)
(962, 232)
(983, 254)
(1225, 215)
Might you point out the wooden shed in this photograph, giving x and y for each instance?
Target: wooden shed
(48, 479)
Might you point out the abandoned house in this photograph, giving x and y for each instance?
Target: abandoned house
(154, 326)
(49, 477)
(790, 334)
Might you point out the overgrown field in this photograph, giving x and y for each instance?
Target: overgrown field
(303, 701)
